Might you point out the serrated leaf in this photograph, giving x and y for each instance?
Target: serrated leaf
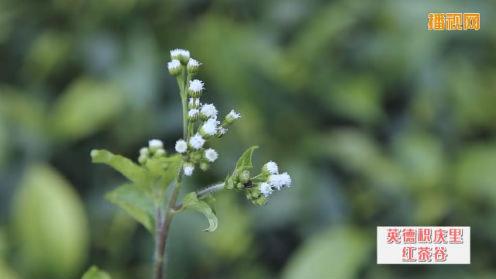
(136, 202)
(244, 162)
(95, 273)
(191, 201)
(166, 168)
(121, 164)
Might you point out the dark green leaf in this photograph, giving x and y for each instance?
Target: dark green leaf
(121, 164)
(136, 202)
(96, 273)
(191, 201)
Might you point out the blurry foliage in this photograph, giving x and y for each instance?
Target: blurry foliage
(381, 122)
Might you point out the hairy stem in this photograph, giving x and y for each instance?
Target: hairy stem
(209, 190)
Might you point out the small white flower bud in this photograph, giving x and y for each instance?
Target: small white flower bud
(208, 111)
(280, 180)
(174, 67)
(193, 66)
(180, 54)
(155, 144)
(211, 155)
(181, 146)
(188, 169)
(193, 114)
(144, 152)
(196, 141)
(271, 168)
(209, 128)
(231, 117)
(221, 131)
(194, 103)
(195, 88)
(265, 189)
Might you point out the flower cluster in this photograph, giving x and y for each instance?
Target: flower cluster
(155, 149)
(202, 119)
(261, 186)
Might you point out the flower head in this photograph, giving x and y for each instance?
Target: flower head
(193, 66)
(181, 146)
(193, 103)
(180, 54)
(265, 189)
(193, 114)
(271, 167)
(232, 116)
(174, 67)
(211, 155)
(155, 144)
(196, 141)
(195, 87)
(280, 180)
(221, 131)
(209, 128)
(188, 169)
(208, 111)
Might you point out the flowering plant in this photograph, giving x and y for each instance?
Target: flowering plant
(151, 195)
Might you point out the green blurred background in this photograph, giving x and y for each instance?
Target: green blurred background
(379, 121)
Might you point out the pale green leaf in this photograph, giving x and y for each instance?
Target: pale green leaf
(95, 273)
(166, 168)
(136, 202)
(244, 162)
(191, 201)
(50, 223)
(85, 107)
(338, 253)
(121, 164)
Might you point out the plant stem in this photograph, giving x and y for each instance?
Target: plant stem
(163, 222)
(209, 190)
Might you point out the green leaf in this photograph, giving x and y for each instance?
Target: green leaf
(244, 162)
(136, 202)
(49, 216)
(191, 201)
(85, 107)
(166, 168)
(95, 273)
(121, 164)
(338, 253)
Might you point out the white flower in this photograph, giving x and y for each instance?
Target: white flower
(232, 115)
(196, 141)
(193, 66)
(144, 151)
(174, 67)
(155, 144)
(271, 167)
(280, 180)
(193, 103)
(180, 54)
(188, 169)
(221, 131)
(210, 127)
(196, 86)
(211, 155)
(209, 111)
(181, 146)
(265, 189)
(192, 113)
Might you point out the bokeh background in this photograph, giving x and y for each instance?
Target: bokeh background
(379, 122)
